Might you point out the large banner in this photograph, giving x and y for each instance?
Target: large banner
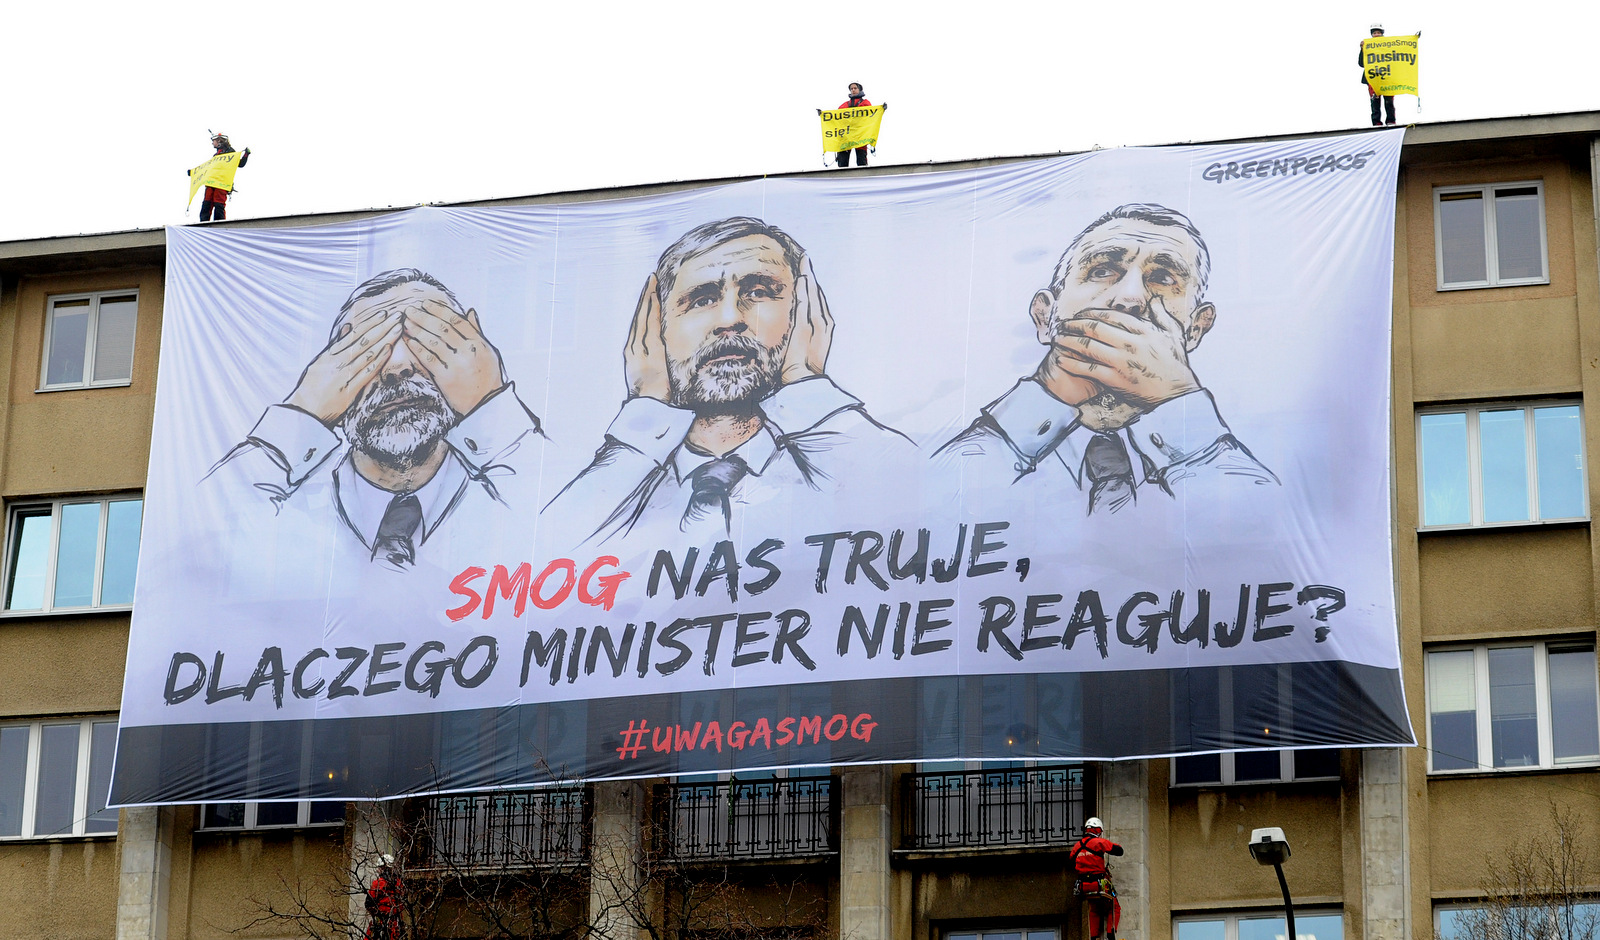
(1085, 457)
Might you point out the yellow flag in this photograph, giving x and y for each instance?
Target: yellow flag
(850, 128)
(217, 171)
(1391, 64)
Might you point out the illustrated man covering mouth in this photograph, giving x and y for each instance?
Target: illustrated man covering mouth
(729, 403)
(1115, 409)
(409, 410)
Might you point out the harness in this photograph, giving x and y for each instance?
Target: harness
(1091, 888)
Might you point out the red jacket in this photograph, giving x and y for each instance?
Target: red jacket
(854, 103)
(1090, 856)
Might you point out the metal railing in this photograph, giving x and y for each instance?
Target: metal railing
(988, 808)
(512, 829)
(789, 817)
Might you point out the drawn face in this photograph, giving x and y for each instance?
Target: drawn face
(401, 416)
(726, 322)
(1125, 265)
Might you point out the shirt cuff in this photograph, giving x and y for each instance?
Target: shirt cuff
(1032, 419)
(802, 405)
(650, 427)
(490, 429)
(1178, 429)
(294, 440)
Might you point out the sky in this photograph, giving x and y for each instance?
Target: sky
(356, 105)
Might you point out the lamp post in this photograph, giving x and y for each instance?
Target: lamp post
(1269, 847)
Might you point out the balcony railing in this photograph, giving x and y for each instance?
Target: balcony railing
(513, 829)
(790, 817)
(991, 808)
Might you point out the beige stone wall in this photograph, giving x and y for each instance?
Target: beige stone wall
(1468, 346)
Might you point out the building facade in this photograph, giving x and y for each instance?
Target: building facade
(1496, 347)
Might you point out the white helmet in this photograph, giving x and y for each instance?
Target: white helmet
(386, 860)
(1377, 26)
(1094, 824)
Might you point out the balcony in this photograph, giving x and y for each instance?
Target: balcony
(511, 829)
(982, 809)
(793, 817)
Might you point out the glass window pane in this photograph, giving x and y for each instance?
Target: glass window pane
(1446, 499)
(1257, 765)
(326, 811)
(1558, 438)
(58, 780)
(1198, 768)
(1264, 928)
(113, 339)
(1322, 762)
(277, 814)
(13, 776)
(1319, 927)
(1456, 923)
(1464, 254)
(75, 554)
(1513, 716)
(1201, 929)
(122, 551)
(1452, 710)
(1504, 445)
(69, 339)
(102, 744)
(222, 816)
(1517, 236)
(1573, 712)
(30, 556)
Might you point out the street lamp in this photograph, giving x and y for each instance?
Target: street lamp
(1269, 847)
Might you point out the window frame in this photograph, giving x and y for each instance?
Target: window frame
(1442, 907)
(1230, 919)
(1490, 237)
(81, 796)
(1286, 772)
(1475, 463)
(1482, 708)
(302, 817)
(95, 298)
(14, 510)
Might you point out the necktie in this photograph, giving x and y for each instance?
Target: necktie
(1110, 473)
(400, 523)
(711, 484)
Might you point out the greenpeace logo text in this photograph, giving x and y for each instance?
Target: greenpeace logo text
(1289, 166)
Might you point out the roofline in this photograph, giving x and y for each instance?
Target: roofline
(142, 241)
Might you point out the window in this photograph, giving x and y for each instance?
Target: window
(1014, 934)
(1256, 767)
(55, 777)
(1308, 925)
(89, 340)
(1501, 464)
(72, 554)
(1490, 236)
(273, 815)
(1513, 706)
(1553, 918)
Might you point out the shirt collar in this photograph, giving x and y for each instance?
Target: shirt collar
(363, 504)
(756, 452)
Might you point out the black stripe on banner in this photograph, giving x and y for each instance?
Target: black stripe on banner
(1090, 716)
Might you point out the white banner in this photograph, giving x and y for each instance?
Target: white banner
(1122, 412)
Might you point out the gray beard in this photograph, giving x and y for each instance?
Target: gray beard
(401, 438)
(725, 386)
